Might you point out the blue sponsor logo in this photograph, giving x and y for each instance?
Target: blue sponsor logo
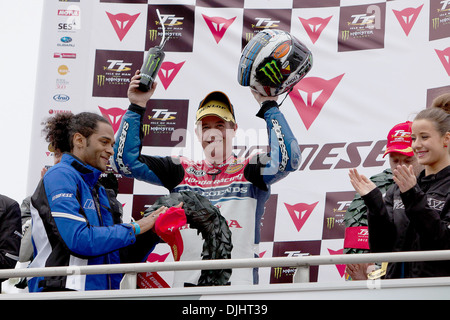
(61, 97)
(66, 39)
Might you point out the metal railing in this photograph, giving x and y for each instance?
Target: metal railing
(302, 264)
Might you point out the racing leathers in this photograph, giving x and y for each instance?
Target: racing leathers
(73, 226)
(239, 187)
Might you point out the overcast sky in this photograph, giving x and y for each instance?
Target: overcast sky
(20, 25)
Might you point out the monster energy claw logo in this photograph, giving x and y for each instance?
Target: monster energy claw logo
(330, 222)
(153, 61)
(272, 71)
(153, 34)
(435, 22)
(100, 80)
(345, 34)
(278, 272)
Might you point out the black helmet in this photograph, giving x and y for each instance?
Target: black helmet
(273, 62)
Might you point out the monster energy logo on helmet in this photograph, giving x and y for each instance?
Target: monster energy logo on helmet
(268, 72)
(273, 62)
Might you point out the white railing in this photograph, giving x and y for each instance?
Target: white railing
(301, 263)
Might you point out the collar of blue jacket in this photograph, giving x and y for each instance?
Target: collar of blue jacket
(89, 173)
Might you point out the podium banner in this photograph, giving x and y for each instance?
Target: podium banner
(376, 64)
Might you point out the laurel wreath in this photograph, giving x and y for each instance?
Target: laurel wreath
(206, 218)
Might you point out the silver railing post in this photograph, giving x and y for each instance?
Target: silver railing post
(301, 274)
(129, 281)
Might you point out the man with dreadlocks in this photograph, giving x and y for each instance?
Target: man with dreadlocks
(71, 213)
(238, 186)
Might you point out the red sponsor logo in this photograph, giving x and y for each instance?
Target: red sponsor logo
(65, 55)
(218, 26)
(114, 115)
(122, 22)
(340, 267)
(52, 111)
(154, 257)
(407, 17)
(69, 13)
(314, 26)
(310, 95)
(168, 72)
(300, 212)
(444, 56)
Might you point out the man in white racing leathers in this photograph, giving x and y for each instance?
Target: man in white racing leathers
(239, 187)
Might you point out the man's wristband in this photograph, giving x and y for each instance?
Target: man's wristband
(266, 105)
(137, 228)
(136, 108)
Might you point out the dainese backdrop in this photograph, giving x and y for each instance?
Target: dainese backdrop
(376, 63)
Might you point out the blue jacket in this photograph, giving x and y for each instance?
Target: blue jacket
(73, 226)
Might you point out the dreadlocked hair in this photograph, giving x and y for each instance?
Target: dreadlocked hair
(61, 128)
(56, 131)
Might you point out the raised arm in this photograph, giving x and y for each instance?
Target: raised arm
(285, 153)
(128, 159)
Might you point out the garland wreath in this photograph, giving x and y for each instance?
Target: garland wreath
(206, 218)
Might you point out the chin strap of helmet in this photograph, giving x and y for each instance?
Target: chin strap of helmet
(267, 104)
(287, 93)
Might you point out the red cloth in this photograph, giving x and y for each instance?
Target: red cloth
(167, 227)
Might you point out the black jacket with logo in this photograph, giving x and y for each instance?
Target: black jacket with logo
(416, 220)
(10, 233)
